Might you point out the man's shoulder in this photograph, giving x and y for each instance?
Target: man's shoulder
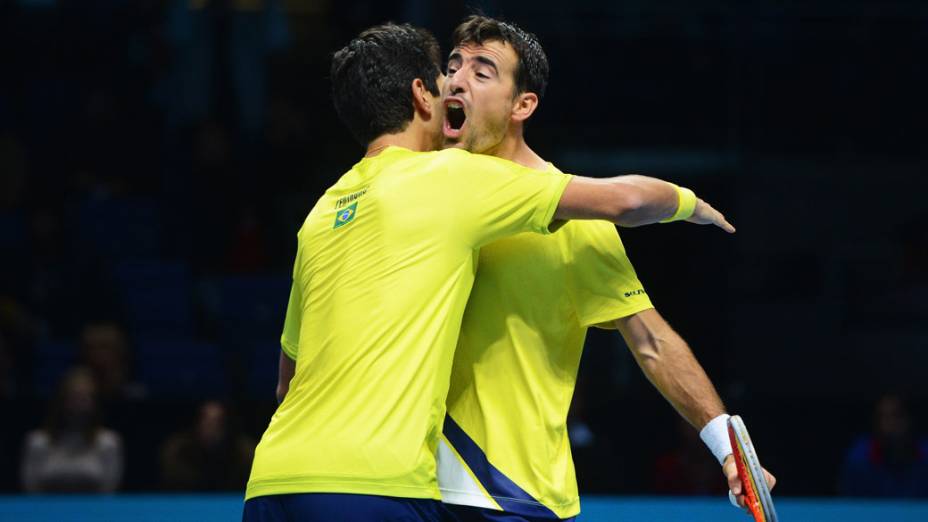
(462, 157)
(404, 161)
(553, 168)
(584, 232)
(451, 153)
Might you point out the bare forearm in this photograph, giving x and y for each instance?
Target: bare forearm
(657, 200)
(628, 201)
(683, 382)
(669, 364)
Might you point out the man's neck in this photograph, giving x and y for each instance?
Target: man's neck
(413, 138)
(514, 148)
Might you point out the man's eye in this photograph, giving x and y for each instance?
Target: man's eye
(483, 76)
(452, 70)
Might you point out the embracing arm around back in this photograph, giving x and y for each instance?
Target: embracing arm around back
(632, 201)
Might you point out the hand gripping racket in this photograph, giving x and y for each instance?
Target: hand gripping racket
(754, 484)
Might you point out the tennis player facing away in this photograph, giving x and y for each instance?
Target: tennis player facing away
(505, 453)
(385, 263)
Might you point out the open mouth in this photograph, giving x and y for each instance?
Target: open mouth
(455, 117)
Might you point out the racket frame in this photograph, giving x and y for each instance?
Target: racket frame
(757, 494)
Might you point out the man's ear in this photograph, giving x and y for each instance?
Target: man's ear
(422, 99)
(524, 106)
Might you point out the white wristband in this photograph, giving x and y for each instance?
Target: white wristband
(715, 436)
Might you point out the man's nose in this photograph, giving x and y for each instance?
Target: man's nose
(456, 85)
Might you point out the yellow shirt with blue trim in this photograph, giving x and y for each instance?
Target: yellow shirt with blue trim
(505, 443)
(385, 262)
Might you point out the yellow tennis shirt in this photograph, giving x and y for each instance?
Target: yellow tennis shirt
(386, 260)
(505, 442)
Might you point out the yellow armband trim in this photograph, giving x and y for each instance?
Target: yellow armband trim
(686, 205)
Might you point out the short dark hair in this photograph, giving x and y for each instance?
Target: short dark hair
(532, 71)
(371, 78)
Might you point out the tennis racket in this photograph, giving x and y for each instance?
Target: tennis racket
(754, 484)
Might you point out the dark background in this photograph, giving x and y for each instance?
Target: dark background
(157, 159)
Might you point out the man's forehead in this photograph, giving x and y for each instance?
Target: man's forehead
(498, 51)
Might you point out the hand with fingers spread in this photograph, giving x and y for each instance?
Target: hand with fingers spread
(736, 493)
(704, 214)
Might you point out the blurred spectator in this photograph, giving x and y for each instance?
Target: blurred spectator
(890, 462)
(74, 452)
(688, 469)
(105, 351)
(213, 456)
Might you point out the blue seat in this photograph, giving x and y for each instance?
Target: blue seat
(157, 297)
(180, 368)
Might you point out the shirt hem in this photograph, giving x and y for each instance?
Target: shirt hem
(614, 314)
(296, 485)
(290, 350)
(565, 510)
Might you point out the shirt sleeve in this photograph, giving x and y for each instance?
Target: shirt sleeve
(290, 338)
(499, 198)
(603, 284)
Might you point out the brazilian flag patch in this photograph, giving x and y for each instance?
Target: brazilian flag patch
(345, 215)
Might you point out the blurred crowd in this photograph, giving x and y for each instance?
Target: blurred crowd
(145, 233)
(74, 452)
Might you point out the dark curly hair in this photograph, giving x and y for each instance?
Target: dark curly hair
(371, 78)
(532, 71)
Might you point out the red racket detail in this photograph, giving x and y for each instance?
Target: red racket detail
(753, 482)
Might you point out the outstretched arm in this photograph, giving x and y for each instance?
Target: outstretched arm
(632, 201)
